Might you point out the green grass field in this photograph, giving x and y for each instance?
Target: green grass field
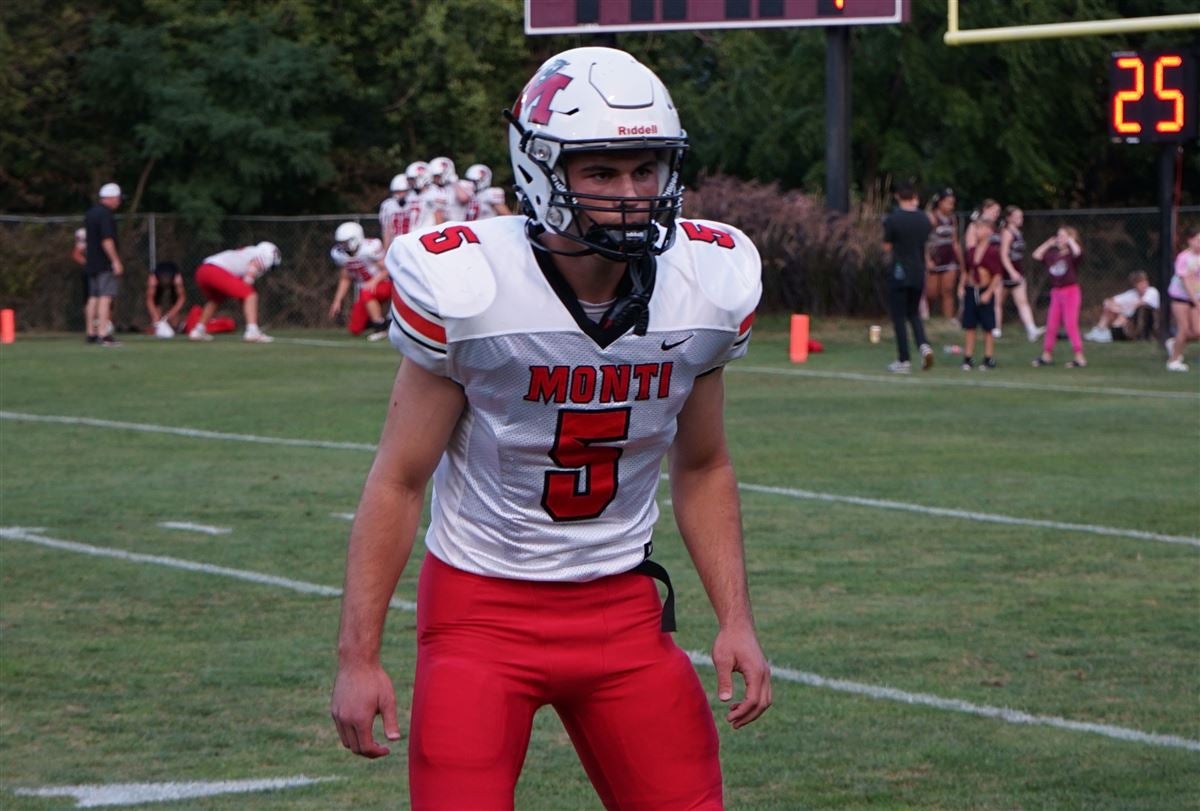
(937, 548)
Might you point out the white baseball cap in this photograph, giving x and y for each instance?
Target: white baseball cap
(110, 190)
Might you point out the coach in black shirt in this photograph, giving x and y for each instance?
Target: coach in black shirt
(104, 267)
(905, 231)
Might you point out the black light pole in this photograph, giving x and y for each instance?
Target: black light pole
(1166, 228)
(837, 118)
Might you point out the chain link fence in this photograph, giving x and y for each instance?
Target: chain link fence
(39, 280)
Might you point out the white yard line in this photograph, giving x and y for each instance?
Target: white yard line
(188, 526)
(967, 515)
(343, 516)
(943, 512)
(33, 535)
(972, 381)
(98, 796)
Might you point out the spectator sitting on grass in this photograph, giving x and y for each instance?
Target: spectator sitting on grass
(1122, 309)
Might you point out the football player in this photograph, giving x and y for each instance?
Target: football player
(449, 197)
(361, 263)
(423, 200)
(231, 274)
(485, 199)
(551, 361)
(392, 210)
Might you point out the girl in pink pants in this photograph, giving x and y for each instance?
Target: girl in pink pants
(1060, 254)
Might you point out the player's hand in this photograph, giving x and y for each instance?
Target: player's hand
(334, 309)
(986, 298)
(737, 650)
(118, 268)
(361, 692)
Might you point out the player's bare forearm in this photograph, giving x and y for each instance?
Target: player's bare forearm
(423, 411)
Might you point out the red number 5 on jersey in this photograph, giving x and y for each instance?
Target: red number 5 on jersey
(704, 233)
(574, 447)
(448, 239)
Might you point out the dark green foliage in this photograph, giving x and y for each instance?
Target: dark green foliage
(300, 106)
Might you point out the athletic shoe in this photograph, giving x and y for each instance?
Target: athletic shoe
(1040, 362)
(1099, 336)
(92, 339)
(1176, 366)
(926, 356)
(988, 363)
(996, 333)
(378, 335)
(900, 367)
(199, 333)
(108, 340)
(967, 365)
(1035, 333)
(1075, 364)
(256, 336)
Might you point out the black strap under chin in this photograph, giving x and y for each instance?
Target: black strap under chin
(652, 569)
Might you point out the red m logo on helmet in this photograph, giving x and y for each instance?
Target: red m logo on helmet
(540, 92)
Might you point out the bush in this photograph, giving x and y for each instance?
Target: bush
(814, 261)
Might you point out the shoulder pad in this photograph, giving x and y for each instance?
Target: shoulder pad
(726, 264)
(451, 263)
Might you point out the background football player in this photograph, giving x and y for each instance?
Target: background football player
(361, 263)
(485, 200)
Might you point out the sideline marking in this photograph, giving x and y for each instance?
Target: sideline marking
(944, 512)
(966, 515)
(32, 535)
(956, 705)
(190, 527)
(972, 383)
(97, 796)
(343, 516)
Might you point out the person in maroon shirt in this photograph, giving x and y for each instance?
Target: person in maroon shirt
(977, 289)
(1060, 254)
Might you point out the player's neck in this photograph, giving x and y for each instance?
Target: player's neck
(591, 277)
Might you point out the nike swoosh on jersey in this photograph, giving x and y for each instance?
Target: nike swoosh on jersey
(666, 346)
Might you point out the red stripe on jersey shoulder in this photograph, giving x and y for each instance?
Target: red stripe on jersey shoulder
(745, 325)
(419, 323)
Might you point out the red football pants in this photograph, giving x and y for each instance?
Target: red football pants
(359, 317)
(491, 651)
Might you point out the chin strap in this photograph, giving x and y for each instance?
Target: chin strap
(634, 309)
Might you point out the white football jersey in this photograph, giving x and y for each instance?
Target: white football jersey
(483, 203)
(422, 206)
(238, 261)
(552, 472)
(362, 265)
(392, 216)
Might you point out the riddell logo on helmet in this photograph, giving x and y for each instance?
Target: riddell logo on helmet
(642, 129)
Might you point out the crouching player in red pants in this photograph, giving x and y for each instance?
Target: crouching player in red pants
(551, 361)
(361, 263)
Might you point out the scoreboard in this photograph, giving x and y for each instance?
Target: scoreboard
(1152, 96)
(601, 16)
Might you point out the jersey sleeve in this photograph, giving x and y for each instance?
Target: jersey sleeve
(338, 256)
(493, 195)
(417, 330)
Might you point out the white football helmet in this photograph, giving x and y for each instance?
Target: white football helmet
(586, 100)
(267, 254)
(399, 184)
(442, 169)
(418, 175)
(349, 237)
(479, 175)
